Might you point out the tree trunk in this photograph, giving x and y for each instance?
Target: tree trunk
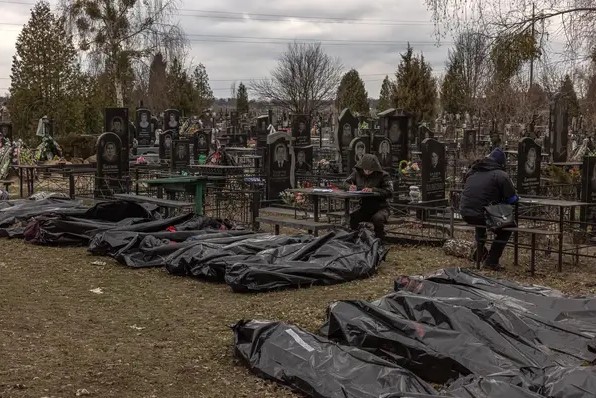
(119, 93)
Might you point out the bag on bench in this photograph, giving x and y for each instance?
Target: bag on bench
(499, 216)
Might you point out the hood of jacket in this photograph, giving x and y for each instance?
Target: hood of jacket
(487, 164)
(369, 162)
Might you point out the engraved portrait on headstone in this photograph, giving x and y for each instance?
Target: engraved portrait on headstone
(357, 149)
(116, 121)
(165, 145)
(382, 147)
(433, 170)
(144, 127)
(304, 157)
(108, 175)
(280, 164)
(301, 130)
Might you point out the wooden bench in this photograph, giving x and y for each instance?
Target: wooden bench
(162, 203)
(533, 232)
(6, 184)
(311, 226)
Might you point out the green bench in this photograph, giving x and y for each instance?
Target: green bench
(310, 225)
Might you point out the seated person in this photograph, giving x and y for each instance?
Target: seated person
(487, 183)
(368, 176)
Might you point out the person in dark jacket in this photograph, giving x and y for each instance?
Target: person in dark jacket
(368, 176)
(487, 183)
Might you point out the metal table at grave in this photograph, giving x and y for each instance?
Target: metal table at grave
(318, 193)
(562, 205)
(195, 185)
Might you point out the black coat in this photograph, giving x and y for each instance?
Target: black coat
(486, 183)
(379, 181)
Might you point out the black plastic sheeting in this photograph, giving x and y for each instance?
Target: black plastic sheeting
(319, 368)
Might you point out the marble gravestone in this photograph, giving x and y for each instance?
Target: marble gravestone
(528, 167)
(6, 131)
(108, 175)
(304, 159)
(201, 143)
(280, 164)
(144, 127)
(469, 141)
(356, 150)
(559, 128)
(433, 170)
(588, 191)
(381, 147)
(180, 159)
(166, 139)
(116, 121)
(171, 121)
(301, 130)
(347, 130)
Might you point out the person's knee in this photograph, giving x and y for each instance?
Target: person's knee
(379, 219)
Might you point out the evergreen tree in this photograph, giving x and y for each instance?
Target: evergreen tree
(45, 76)
(385, 97)
(181, 90)
(351, 94)
(242, 99)
(203, 93)
(568, 92)
(416, 89)
(157, 83)
(453, 88)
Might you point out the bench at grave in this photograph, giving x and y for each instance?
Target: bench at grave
(311, 226)
(166, 204)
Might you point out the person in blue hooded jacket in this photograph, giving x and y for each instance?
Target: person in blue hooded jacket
(487, 183)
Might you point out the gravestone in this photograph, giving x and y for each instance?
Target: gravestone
(116, 121)
(108, 175)
(346, 132)
(469, 142)
(588, 190)
(172, 121)
(144, 127)
(280, 165)
(396, 125)
(201, 141)
(358, 148)
(423, 133)
(263, 122)
(166, 139)
(559, 128)
(304, 158)
(529, 157)
(301, 130)
(180, 156)
(239, 140)
(381, 147)
(234, 121)
(6, 131)
(433, 170)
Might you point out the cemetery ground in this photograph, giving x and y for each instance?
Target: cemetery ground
(150, 334)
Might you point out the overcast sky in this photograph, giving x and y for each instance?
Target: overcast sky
(240, 40)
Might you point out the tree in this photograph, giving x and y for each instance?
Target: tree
(453, 90)
(568, 93)
(203, 95)
(352, 94)
(386, 95)
(180, 88)
(45, 75)
(416, 89)
(118, 33)
(242, 99)
(157, 83)
(303, 80)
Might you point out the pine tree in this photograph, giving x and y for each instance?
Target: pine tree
(45, 76)
(203, 93)
(351, 94)
(453, 87)
(568, 92)
(242, 99)
(385, 97)
(157, 83)
(181, 88)
(416, 89)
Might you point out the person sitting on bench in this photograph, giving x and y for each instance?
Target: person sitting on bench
(369, 176)
(487, 183)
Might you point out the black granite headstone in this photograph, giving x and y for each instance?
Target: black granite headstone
(588, 190)
(433, 170)
(280, 165)
(347, 130)
(559, 128)
(529, 157)
(469, 143)
(108, 175)
(144, 127)
(201, 143)
(116, 121)
(181, 155)
(239, 140)
(165, 145)
(304, 158)
(382, 149)
(397, 133)
(172, 121)
(6, 131)
(423, 133)
(301, 130)
(357, 149)
(263, 122)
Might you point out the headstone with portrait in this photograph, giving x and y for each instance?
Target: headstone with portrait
(166, 139)
(301, 130)
(529, 156)
(144, 127)
(396, 125)
(381, 147)
(304, 159)
(180, 155)
(433, 170)
(559, 128)
(280, 165)
(347, 130)
(356, 150)
(116, 121)
(588, 191)
(200, 144)
(171, 121)
(469, 141)
(6, 131)
(108, 175)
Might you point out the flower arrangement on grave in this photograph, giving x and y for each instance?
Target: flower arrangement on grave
(296, 200)
(409, 169)
(48, 149)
